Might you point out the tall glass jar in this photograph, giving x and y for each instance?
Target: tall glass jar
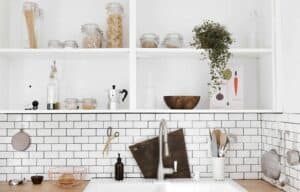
(33, 16)
(92, 36)
(115, 13)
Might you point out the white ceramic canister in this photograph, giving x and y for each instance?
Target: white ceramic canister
(218, 164)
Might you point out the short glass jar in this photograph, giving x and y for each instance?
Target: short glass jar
(89, 103)
(71, 104)
(92, 36)
(173, 40)
(70, 44)
(149, 40)
(55, 44)
(115, 13)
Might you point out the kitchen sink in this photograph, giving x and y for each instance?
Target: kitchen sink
(178, 185)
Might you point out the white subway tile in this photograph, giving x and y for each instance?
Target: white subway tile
(51, 125)
(59, 132)
(73, 117)
(3, 117)
(96, 124)
(221, 117)
(44, 117)
(88, 132)
(59, 117)
(103, 117)
(206, 117)
(147, 117)
(81, 125)
(88, 117)
(133, 117)
(117, 117)
(177, 117)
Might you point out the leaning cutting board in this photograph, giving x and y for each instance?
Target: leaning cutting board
(146, 155)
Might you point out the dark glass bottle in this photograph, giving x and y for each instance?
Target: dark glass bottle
(119, 169)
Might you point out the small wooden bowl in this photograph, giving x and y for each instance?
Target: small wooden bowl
(182, 102)
(37, 179)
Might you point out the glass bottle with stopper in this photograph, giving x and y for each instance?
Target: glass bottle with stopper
(52, 89)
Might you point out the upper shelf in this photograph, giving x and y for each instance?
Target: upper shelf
(141, 52)
(36, 52)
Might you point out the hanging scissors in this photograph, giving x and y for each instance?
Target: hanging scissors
(110, 137)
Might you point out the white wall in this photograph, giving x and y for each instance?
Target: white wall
(291, 60)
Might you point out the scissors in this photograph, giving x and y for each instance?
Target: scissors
(111, 136)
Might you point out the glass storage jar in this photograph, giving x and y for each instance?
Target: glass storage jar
(89, 103)
(70, 44)
(173, 40)
(149, 40)
(115, 13)
(55, 44)
(71, 104)
(92, 36)
(33, 16)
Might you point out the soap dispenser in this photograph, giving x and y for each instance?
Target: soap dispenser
(119, 169)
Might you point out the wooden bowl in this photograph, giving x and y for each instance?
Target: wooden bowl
(37, 179)
(181, 102)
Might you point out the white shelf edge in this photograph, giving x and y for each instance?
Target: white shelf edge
(235, 51)
(13, 52)
(134, 111)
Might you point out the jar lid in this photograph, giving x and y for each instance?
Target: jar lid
(150, 36)
(174, 36)
(90, 26)
(89, 100)
(71, 100)
(115, 6)
(70, 44)
(28, 5)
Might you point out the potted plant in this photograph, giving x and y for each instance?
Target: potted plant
(215, 40)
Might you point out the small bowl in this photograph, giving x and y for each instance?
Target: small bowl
(37, 179)
(182, 102)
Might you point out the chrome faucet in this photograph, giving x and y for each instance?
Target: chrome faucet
(163, 142)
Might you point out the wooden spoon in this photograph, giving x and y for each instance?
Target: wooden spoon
(223, 140)
(217, 133)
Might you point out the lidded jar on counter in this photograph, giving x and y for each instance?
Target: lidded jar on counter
(89, 103)
(115, 13)
(92, 36)
(149, 40)
(71, 104)
(173, 40)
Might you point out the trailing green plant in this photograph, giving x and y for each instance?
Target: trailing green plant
(215, 40)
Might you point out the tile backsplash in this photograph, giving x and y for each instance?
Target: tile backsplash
(78, 140)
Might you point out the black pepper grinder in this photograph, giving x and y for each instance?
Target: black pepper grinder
(119, 169)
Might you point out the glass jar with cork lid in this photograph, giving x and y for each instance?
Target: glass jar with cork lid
(92, 36)
(115, 13)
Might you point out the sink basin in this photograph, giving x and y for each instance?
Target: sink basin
(137, 185)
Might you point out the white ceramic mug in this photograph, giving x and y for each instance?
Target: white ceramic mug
(218, 168)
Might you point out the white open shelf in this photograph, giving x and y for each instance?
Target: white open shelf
(132, 111)
(248, 52)
(129, 67)
(104, 51)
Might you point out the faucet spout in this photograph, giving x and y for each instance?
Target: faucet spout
(163, 147)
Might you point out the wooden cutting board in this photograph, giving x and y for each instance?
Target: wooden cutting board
(146, 156)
